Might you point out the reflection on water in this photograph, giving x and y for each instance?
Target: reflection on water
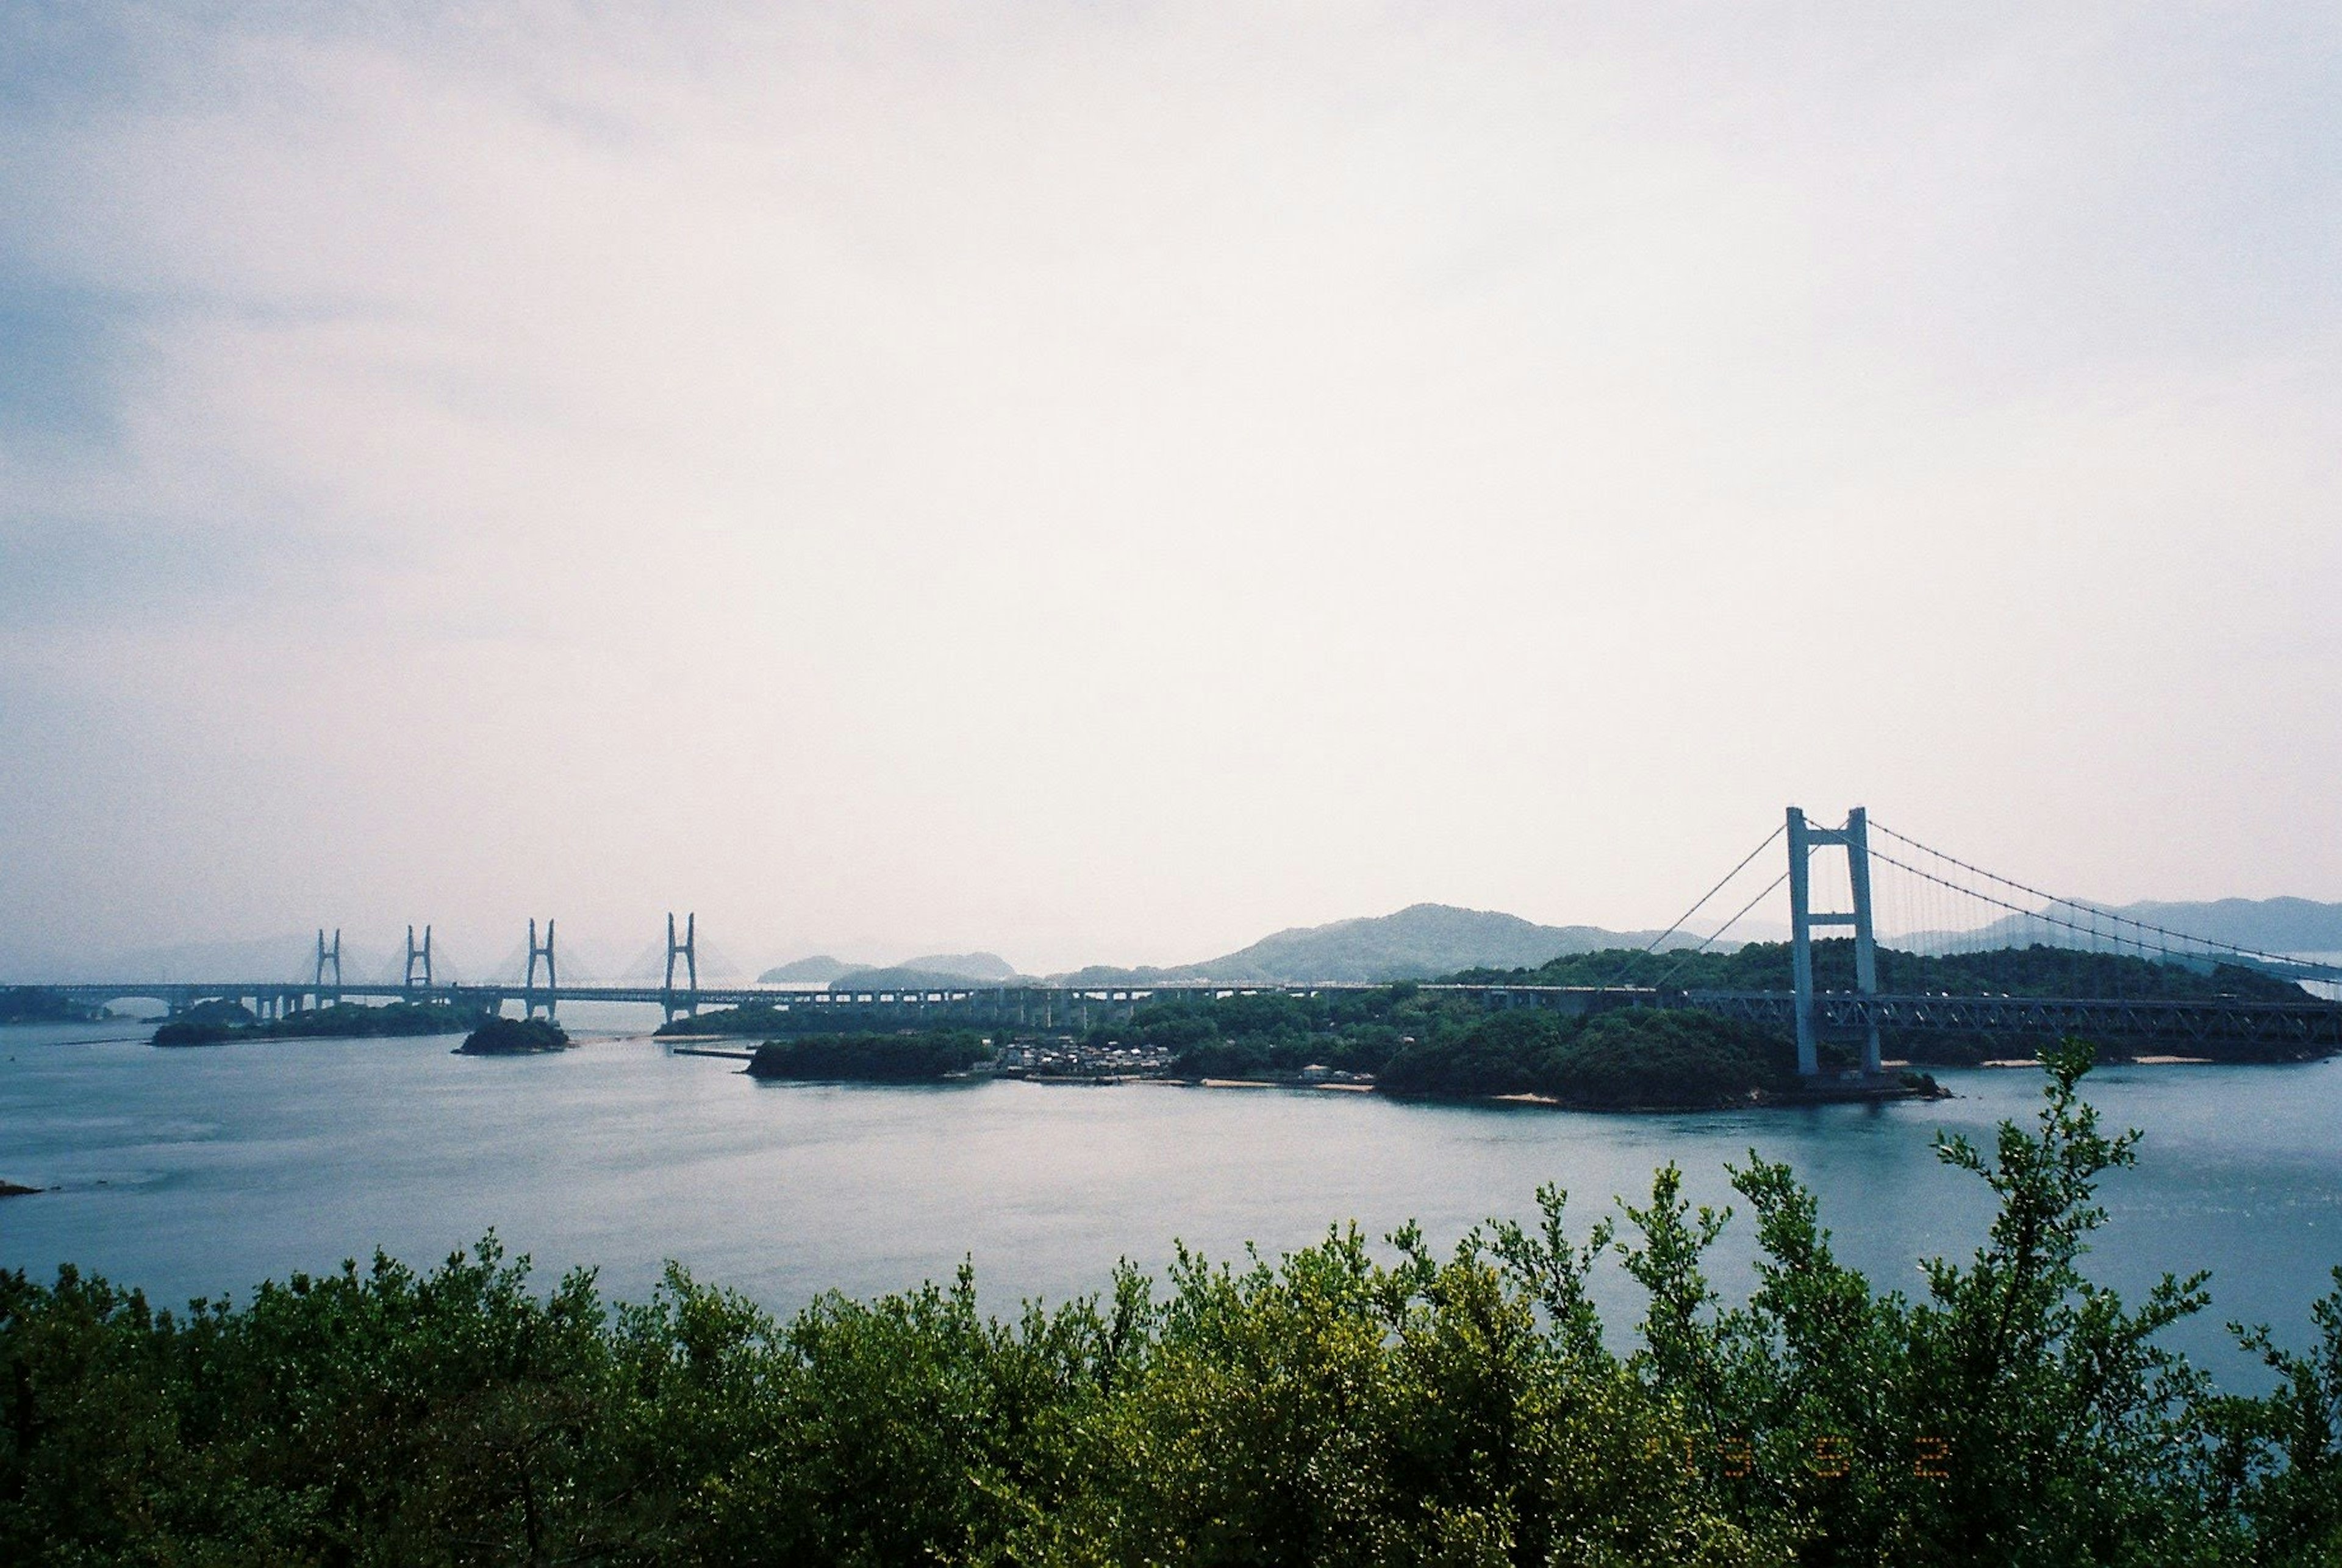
(197, 1172)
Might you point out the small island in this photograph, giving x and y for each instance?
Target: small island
(11, 1189)
(920, 1058)
(219, 1022)
(514, 1037)
(1398, 1040)
(1618, 1030)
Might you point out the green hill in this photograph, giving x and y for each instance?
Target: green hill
(905, 977)
(928, 969)
(2271, 924)
(819, 969)
(1420, 942)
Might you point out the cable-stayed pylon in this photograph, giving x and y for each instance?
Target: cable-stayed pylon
(327, 958)
(688, 951)
(528, 999)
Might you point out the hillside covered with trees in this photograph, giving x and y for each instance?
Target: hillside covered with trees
(2036, 971)
(1423, 1040)
(39, 1005)
(871, 1058)
(1418, 1042)
(1417, 942)
(215, 1022)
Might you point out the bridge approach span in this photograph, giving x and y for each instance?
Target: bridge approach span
(1853, 1015)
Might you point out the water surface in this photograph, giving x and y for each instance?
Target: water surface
(199, 1171)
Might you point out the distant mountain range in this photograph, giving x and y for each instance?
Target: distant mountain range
(2272, 925)
(819, 969)
(1421, 942)
(2289, 925)
(1426, 941)
(929, 969)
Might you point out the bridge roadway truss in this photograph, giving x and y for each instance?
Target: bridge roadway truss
(1855, 1015)
(1836, 1013)
(1805, 1012)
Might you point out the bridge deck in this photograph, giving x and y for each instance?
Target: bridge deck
(2306, 1023)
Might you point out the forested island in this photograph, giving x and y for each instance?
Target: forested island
(872, 1058)
(1347, 1404)
(1409, 1040)
(219, 1022)
(40, 1004)
(1642, 1047)
(514, 1037)
(2034, 971)
(1401, 1039)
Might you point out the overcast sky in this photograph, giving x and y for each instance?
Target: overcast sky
(1105, 482)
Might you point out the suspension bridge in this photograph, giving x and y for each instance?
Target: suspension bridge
(1971, 938)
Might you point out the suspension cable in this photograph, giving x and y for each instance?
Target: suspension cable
(1619, 973)
(2048, 919)
(1681, 920)
(1720, 930)
(2075, 904)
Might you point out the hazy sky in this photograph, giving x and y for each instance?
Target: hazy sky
(1104, 481)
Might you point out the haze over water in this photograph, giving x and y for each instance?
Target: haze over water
(200, 1172)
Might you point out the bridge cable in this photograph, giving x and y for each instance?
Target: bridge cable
(1619, 975)
(2048, 919)
(1682, 919)
(1720, 930)
(2208, 943)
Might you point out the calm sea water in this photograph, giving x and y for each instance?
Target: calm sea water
(201, 1171)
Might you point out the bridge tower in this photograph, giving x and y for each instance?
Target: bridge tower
(552, 975)
(688, 951)
(1855, 839)
(418, 958)
(327, 958)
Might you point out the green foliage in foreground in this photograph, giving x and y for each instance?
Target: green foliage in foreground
(1334, 1407)
(870, 1058)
